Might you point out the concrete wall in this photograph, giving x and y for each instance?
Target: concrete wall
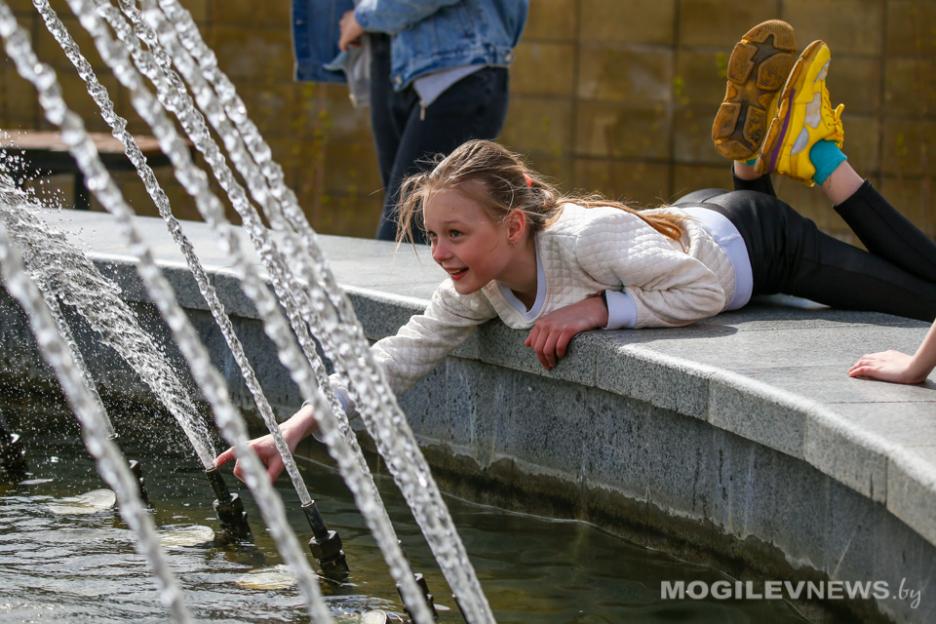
(607, 95)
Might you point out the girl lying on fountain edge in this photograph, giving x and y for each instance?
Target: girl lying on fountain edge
(517, 249)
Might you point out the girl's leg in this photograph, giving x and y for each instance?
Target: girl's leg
(881, 228)
(842, 183)
(789, 254)
(747, 178)
(804, 142)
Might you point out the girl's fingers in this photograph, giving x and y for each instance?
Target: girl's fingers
(549, 348)
(224, 457)
(275, 467)
(562, 344)
(536, 342)
(540, 347)
(531, 337)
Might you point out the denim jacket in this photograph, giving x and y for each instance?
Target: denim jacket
(426, 35)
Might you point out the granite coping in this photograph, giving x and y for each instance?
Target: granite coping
(773, 373)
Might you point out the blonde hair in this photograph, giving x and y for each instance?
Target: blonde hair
(509, 185)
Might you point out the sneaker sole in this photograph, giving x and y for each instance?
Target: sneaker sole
(757, 70)
(779, 126)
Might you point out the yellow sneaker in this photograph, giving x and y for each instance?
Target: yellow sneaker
(804, 117)
(757, 69)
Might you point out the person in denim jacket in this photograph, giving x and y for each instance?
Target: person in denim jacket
(433, 71)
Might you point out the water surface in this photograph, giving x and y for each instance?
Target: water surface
(84, 568)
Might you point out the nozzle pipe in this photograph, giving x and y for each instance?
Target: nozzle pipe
(137, 470)
(12, 456)
(229, 508)
(326, 545)
(316, 522)
(430, 601)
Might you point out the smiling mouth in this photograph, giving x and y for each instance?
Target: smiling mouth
(457, 274)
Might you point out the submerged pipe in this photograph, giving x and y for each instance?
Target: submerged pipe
(12, 455)
(137, 470)
(325, 545)
(229, 508)
(430, 601)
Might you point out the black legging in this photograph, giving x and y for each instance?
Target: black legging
(789, 254)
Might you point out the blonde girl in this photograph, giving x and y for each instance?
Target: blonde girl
(516, 249)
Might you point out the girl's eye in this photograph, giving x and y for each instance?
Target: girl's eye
(454, 233)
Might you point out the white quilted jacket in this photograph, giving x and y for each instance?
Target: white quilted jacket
(583, 252)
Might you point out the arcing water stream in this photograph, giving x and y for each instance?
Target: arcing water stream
(66, 276)
(18, 47)
(111, 464)
(343, 341)
(196, 184)
(300, 278)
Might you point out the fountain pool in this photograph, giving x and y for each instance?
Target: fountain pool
(84, 567)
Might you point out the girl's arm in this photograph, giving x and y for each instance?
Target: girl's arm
(297, 427)
(898, 367)
(552, 333)
(667, 286)
(427, 338)
(405, 358)
(392, 16)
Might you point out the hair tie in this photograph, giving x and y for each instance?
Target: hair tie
(528, 180)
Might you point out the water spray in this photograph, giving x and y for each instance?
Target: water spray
(229, 508)
(325, 545)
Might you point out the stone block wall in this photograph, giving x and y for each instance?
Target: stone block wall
(610, 96)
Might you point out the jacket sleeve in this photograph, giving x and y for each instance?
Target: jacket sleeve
(427, 338)
(669, 287)
(392, 16)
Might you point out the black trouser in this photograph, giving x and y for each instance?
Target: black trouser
(789, 254)
(472, 108)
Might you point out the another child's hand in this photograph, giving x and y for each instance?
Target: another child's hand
(551, 335)
(892, 366)
(294, 430)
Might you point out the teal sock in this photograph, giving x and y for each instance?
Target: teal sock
(825, 157)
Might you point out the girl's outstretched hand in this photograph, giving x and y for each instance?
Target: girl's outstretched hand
(892, 366)
(294, 430)
(551, 334)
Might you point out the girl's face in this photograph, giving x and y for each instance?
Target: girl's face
(466, 242)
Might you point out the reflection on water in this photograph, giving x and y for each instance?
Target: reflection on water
(84, 567)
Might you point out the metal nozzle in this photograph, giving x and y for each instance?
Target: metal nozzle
(229, 508)
(326, 545)
(330, 555)
(12, 456)
(137, 469)
(430, 601)
(316, 522)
